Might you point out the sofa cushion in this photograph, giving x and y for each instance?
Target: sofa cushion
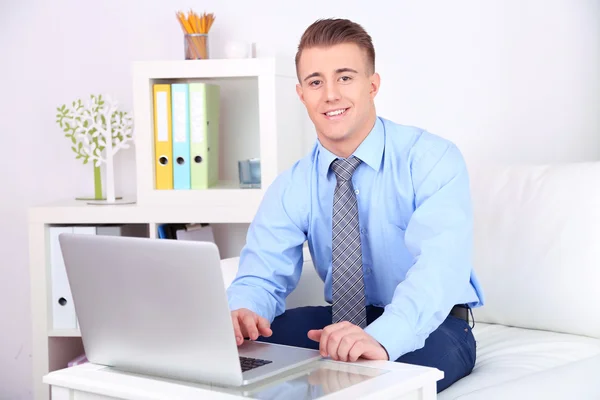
(523, 363)
(537, 245)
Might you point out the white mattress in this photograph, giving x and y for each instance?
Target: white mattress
(515, 363)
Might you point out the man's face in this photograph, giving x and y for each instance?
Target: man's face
(338, 91)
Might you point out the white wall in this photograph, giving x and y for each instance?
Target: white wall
(508, 81)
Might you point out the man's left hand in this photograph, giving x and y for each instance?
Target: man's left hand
(345, 341)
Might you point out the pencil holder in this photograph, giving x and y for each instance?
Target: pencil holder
(196, 46)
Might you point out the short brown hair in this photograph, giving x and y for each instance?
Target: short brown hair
(329, 32)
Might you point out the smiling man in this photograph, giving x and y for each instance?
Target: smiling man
(387, 214)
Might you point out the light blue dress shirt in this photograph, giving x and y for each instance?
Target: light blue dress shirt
(416, 228)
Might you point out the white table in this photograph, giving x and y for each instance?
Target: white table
(324, 379)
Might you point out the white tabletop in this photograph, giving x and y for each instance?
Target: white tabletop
(325, 379)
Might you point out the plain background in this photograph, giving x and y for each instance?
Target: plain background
(507, 80)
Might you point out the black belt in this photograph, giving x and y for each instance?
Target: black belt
(461, 311)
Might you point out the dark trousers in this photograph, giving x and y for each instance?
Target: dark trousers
(450, 348)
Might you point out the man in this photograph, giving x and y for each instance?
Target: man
(387, 214)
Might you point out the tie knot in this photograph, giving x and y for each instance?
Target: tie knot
(343, 168)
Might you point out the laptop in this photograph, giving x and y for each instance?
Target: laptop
(159, 307)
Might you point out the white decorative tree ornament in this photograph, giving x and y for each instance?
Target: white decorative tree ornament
(98, 130)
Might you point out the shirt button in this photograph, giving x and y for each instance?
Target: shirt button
(363, 231)
(356, 191)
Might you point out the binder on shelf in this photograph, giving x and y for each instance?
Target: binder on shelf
(181, 136)
(163, 137)
(162, 231)
(85, 230)
(63, 309)
(204, 99)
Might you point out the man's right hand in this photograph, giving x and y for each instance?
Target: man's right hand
(248, 324)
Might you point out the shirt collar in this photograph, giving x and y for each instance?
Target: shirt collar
(370, 151)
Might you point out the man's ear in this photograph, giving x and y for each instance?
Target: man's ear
(300, 93)
(375, 83)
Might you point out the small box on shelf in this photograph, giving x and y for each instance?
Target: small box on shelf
(249, 172)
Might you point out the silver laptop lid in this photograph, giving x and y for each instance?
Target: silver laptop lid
(153, 306)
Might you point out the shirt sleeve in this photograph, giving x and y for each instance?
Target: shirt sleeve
(439, 236)
(271, 261)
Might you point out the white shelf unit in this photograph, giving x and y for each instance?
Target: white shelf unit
(261, 116)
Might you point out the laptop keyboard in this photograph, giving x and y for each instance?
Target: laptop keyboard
(248, 363)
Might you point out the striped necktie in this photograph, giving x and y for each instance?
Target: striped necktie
(347, 276)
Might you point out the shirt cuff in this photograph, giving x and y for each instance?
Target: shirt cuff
(394, 334)
(240, 298)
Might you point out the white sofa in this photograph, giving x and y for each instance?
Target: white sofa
(537, 255)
